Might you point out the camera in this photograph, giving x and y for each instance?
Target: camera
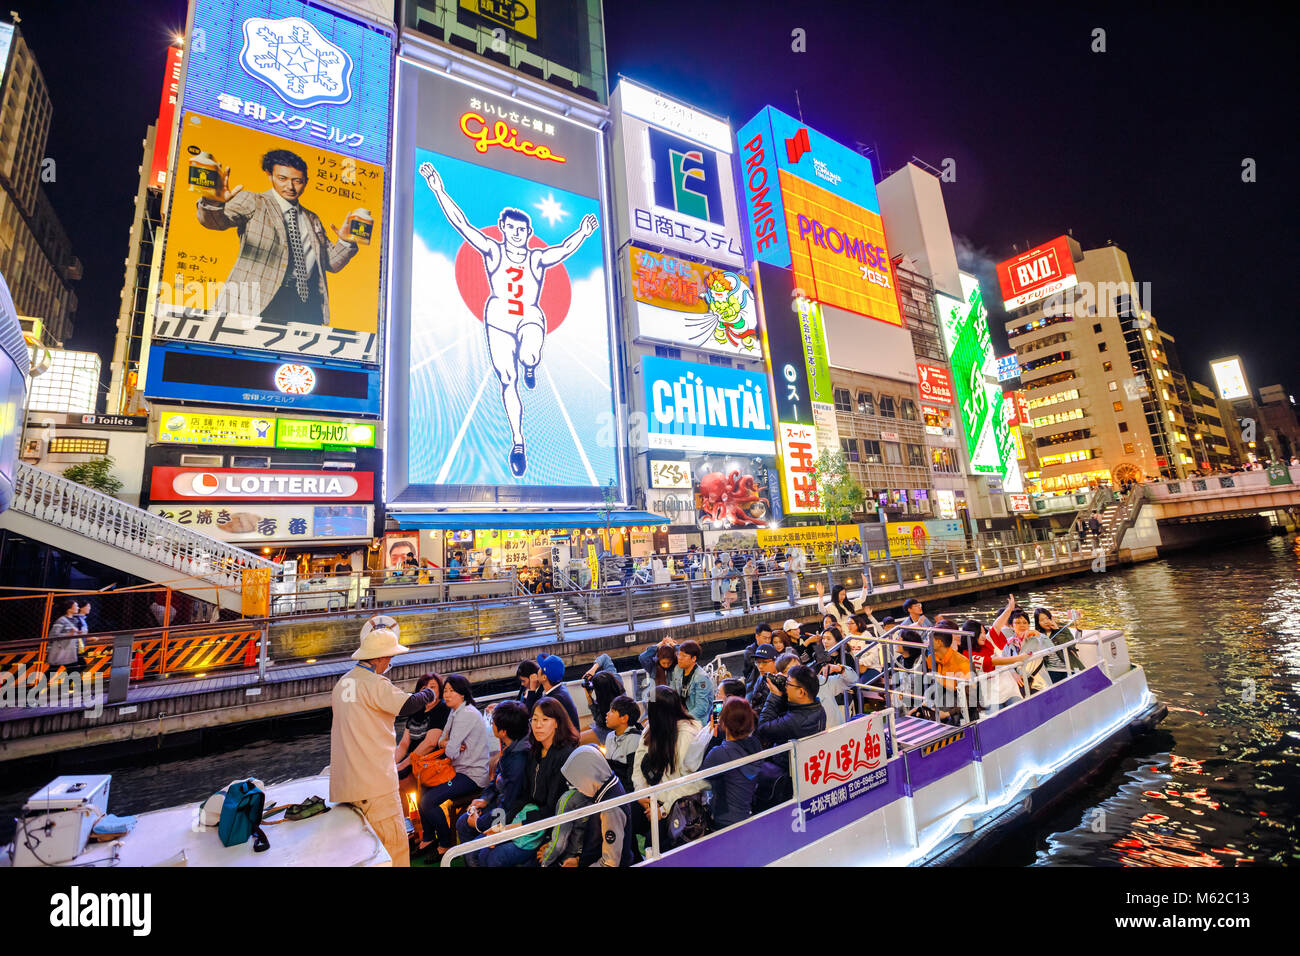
(777, 679)
(587, 684)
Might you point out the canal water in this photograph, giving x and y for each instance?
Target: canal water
(1218, 632)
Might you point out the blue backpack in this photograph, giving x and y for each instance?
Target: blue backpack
(241, 813)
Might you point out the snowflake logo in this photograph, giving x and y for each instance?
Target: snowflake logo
(294, 59)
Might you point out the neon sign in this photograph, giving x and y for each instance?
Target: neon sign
(502, 134)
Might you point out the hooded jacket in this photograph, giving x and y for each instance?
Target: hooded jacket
(509, 788)
(598, 839)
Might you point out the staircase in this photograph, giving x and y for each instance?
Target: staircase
(70, 517)
(1115, 514)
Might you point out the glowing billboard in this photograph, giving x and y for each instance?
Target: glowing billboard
(692, 304)
(979, 397)
(501, 379)
(677, 189)
(697, 407)
(1042, 271)
(1229, 378)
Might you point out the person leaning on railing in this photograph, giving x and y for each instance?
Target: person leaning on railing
(1058, 635)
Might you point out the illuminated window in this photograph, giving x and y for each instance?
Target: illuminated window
(870, 451)
(866, 404)
(1118, 406)
(1112, 386)
(916, 456)
(78, 446)
(908, 408)
(1128, 448)
(1105, 366)
(850, 448)
(1066, 396)
(893, 454)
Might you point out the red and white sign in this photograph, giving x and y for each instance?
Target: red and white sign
(841, 764)
(1019, 502)
(1013, 404)
(162, 143)
(935, 383)
(799, 453)
(259, 484)
(1042, 271)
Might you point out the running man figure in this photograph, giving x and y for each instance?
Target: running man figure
(515, 323)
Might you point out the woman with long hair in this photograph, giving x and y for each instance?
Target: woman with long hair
(662, 754)
(554, 738)
(840, 607)
(1058, 634)
(465, 742)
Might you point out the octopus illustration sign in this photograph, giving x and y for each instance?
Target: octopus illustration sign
(693, 304)
(731, 492)
(502, 344)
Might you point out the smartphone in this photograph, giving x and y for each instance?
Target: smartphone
(717, 710)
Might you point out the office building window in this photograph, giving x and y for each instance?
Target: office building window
(866, 404)
(850, 448)
(893, 454)
(887, 407)
(909, 410)
(1117, 406)
(1102, 346)
(842, 401)
(1105, 366)
(1096, 327)
(1123, 426)
(720, 360)
(1128, 448)
(1112, 386)
(870, 451)
(667, 351)
(916, 456)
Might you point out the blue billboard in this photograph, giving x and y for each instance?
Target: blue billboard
(694, 407)
(292, 70)
(773, 142)
(188, 373)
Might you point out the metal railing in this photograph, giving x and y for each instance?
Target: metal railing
(99, 517)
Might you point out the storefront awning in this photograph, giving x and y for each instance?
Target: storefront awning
(523, 520)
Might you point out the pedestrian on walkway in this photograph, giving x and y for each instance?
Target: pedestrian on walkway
(721, 587)
(65, 640)
(363, 768)
(1082, 527)
(1094, 525)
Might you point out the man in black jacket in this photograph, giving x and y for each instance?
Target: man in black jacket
(764, 663)
(762, 635)
(792, 711)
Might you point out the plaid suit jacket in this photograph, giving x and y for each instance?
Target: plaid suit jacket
(264, 251)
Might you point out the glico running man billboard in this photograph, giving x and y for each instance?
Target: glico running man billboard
(975, 386)
(501, 376)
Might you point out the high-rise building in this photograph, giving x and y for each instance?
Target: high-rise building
(1095, 366)
(35, 254)
(1279, 422)
(1213, 436)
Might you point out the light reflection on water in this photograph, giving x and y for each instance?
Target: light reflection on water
(1209, 788)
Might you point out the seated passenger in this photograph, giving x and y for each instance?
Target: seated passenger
(504, 796)
(624, 735)
(600, 839)
(732, 792)
(465, 742)
(1058, 634)
(601, 691)
(553, 685)
(687, 677)
(1001, 689)
(422, 731)
(950, 692)
(764, 664)
(762, 635)
(791, 710)
(530, 684)
(664, 752)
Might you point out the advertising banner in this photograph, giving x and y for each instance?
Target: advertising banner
(186, 428)
(180, 372)
(783, 345)
(512, 548)
(731, 492)
(817, 540)
(1019, 503)
(169, 483)
(293, 70)
(1042, 271)
(519, 16)
(271, 246)
(1008, 367)
(693, 304)
(400, 546)
(250, 523)
(676, 505)
(935, 383)
(1229, 378)
(842, 764)
(678, 176)
(799, 451)
(673, 474)
(315, 433)
(502, 374)
(696, 407)
(938, 422)
(162, 143)
(979, 397)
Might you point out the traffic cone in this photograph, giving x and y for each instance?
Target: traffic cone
(137, 665)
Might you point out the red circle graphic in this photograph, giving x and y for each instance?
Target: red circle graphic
(472, 281)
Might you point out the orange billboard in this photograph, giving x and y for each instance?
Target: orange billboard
(837, 251)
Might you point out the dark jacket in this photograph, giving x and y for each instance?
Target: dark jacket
(604, 829)
(509, 788)
(780, 721)
(733, 791)
(756, 691)
(750, 668)
(545, 782)
(561, 693)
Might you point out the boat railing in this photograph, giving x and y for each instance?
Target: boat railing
(652, 794)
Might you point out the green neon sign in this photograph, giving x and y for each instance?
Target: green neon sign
(321, 433)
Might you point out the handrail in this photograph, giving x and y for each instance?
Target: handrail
(492, 839)
(73, 507)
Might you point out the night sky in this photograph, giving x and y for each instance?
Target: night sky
(1142, 144)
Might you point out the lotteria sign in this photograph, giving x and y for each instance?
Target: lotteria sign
(260, 484)
(1042, 271)
(708, 408)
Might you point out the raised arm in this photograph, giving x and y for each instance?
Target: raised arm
(554, 254)
(453, 212)
(1005, 616)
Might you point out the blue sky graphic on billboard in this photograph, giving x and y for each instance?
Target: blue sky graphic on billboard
(285, 68)
(527, 343)
(695, 407)
(686, 176)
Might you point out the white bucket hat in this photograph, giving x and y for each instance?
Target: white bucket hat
(378, 643)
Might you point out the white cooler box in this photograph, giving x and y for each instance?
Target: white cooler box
(58, 818)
